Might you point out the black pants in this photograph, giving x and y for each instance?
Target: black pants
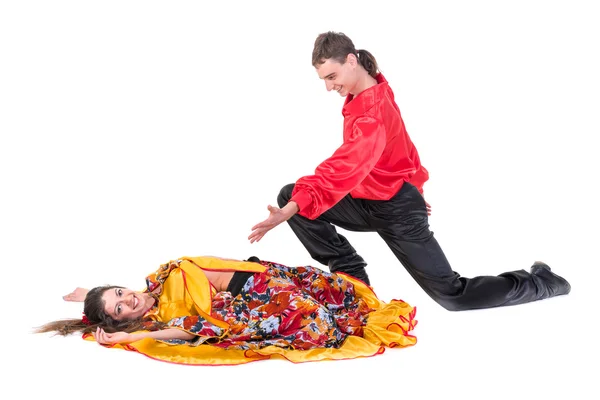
(402, 223)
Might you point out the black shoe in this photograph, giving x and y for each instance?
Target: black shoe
(547, 282)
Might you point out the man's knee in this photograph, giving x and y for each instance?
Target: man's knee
(448, 292)
(285, 194)
(451, 304)
(456, 302)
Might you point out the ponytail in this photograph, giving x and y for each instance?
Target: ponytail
(368, 62)
(337, 46)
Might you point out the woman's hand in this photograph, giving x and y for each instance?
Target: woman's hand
(113, 338)
(76, 295)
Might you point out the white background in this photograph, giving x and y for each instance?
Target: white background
(135, 132)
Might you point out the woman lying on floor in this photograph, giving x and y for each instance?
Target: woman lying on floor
(209, 310)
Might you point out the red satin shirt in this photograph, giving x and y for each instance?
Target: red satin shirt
(376, 158)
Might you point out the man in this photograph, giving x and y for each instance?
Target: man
(374, 182)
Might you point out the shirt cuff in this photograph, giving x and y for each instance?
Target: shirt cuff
(303, 199)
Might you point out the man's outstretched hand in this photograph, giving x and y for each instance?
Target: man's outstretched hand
(276, 217)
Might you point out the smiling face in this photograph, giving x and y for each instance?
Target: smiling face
(342, 78)
(125, 304)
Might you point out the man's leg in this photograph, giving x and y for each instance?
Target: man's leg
(321, 239)
(402, 223)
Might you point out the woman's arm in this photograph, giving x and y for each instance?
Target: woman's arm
(164, 334)
(219, 279)
(76, 295)
(124, 337)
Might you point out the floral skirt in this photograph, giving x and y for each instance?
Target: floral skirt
(290, 307)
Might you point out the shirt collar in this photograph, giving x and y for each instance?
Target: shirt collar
(366, 99)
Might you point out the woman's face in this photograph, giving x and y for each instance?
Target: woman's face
(339, 77)
(125, 304)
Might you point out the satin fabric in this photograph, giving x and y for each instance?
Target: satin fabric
(377, 156)
(187, 291)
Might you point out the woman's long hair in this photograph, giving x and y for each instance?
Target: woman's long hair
(95, 317)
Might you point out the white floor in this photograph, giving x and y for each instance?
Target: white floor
(133, 133)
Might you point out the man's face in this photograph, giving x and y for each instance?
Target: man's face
(339, 77)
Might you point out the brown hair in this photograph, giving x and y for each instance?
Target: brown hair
(337, 46)
(93, 308)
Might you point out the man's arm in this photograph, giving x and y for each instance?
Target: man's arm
(334, 178)
(337, 176)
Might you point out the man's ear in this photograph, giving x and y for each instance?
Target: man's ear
(351, 58)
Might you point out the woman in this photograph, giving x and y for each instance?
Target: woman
(374, 183)
(209, 310)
